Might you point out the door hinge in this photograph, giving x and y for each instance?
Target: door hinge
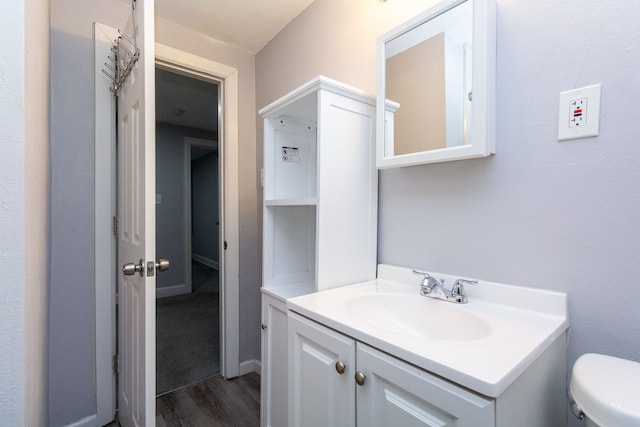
(115, 225)
(116, 362)
(225, 245)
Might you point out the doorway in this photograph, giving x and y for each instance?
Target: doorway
(187, 221)
(107, 225)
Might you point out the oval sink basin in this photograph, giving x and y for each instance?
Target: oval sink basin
(419, 317)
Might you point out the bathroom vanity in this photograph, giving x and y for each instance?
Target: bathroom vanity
(380, 354)
(346, 344)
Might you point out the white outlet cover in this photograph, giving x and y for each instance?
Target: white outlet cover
(579, 113)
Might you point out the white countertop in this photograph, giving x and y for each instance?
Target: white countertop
(523, 322)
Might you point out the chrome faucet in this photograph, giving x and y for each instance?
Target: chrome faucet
(434, 288)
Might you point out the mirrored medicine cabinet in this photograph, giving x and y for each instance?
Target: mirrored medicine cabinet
(436, 86)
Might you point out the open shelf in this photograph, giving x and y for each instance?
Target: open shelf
(290, 245)
(311, 201)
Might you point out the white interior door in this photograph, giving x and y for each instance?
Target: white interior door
(136, 204)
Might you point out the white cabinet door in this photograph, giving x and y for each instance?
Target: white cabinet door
(319, 394)
(273, 381)
(398, 394)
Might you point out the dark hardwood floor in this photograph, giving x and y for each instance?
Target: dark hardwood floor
(212, 402)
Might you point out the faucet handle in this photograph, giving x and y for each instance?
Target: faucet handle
(424, 273)
(427, 281)
(458, 292)
(425, 276)
(466, 282)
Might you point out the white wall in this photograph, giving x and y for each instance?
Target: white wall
(23, 211)
(540, 213)
(12, 214)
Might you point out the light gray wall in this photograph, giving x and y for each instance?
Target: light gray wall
(72, 395)
(170, 219)
(170, 214)
(204, 202)
(71, 360)
(540, 213)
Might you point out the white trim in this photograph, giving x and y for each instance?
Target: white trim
(249, 366)
(204, 260)
(105, 243)
(229, 216)
(89, 421)
(173, 290)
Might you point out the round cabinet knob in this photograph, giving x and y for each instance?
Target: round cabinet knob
(360, 378)
(340, 367)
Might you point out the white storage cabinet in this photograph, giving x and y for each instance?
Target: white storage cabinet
(273, 405)
(320, 209)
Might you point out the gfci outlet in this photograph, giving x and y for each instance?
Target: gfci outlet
(579, 113)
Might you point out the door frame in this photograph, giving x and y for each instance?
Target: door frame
(105, 236)
(105, 210)
(197, 66)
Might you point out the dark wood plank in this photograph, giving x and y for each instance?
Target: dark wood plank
(213, 402)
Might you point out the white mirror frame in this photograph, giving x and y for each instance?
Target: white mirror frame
(481, 131)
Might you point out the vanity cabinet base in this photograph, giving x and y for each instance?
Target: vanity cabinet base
(378, 390)
(538, 397)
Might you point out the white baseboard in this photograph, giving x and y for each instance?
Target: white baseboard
(204, 260)
(170, 291)
(89, 421)
(249, 366)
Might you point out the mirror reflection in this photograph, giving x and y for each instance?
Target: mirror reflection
(428, 84)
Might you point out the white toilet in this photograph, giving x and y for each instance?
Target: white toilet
(606, 391)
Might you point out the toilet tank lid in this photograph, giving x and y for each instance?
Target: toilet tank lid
(607, 389)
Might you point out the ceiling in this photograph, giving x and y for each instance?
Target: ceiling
(248, 24)
(186, 101)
